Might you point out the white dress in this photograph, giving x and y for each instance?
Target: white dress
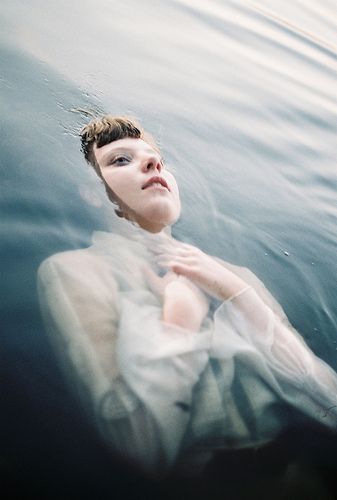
(161, 394)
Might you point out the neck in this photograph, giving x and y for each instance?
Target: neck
(151, 227)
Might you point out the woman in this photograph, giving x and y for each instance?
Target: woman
(167, 381)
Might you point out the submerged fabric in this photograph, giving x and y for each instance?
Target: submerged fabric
(161, 394)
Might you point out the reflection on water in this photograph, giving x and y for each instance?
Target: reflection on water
(241, 96)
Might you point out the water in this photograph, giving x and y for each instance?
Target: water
(242, 97)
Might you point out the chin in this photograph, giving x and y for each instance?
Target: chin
(162, 213)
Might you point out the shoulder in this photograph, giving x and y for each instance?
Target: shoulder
(69, 260)
(83, 267)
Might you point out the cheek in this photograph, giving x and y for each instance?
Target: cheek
(176, 194)
(120, 184)
(173, 184)
(176, 205)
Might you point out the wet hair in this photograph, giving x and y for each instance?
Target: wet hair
(106, 129)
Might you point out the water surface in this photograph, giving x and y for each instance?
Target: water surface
(242, 98)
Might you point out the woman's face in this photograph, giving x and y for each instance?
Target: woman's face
(146, 192)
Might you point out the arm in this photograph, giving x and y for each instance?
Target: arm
(137, 382)
(251, 314)
(205, 271)
(81, 320)
(235, 286)
(183, 303)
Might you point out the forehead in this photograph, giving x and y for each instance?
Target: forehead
(128, 144)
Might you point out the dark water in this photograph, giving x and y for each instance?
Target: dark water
(242, 97)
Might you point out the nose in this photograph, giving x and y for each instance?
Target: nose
(152, 163)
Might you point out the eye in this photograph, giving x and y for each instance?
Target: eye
(120, 160)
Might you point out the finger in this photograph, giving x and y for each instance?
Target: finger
(183, 270)
(171, 265)
(176, 252)
(178, 266)
(150, 275)
(170, 256)
(154, 281)
(165, 263)
(168, 261)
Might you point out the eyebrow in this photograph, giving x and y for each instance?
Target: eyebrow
(114, 152)
(122, 149)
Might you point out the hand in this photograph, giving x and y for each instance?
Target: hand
(158, 284)
(184, 304)
(200, 268)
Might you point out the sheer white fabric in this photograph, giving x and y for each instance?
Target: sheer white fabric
(159, 392)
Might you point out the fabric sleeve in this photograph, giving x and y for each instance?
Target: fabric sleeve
(297, 375)
(162, 363)
(135, 374)
(80, 316)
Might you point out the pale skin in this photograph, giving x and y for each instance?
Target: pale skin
(127, 166)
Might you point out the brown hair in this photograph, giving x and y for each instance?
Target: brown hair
(106, 129)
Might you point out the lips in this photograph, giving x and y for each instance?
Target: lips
(156, 179)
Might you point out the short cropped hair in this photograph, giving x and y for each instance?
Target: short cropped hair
(106, 129)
